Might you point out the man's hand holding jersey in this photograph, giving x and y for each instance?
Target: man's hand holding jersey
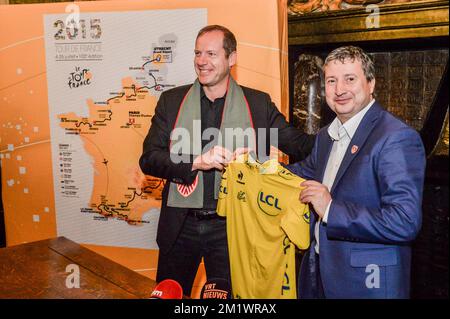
(317, 195)
(217, 157)
(239, 151)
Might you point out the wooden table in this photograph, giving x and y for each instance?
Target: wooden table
(45, 269)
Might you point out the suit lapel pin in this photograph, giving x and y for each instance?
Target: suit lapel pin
(354, 149)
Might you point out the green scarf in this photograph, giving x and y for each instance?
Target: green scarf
(236, 119)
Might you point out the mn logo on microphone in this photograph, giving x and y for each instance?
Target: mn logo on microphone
(157, 294)
(167, 289)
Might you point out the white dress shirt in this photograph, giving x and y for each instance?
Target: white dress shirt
(341, 134)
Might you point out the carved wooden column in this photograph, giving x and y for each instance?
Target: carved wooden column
(308, 93)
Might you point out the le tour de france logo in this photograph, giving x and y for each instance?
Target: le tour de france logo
(80, 77)
(269, 203)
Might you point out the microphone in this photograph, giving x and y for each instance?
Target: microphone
(167, 289)
(216, 288)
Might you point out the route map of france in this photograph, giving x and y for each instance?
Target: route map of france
(105, 74)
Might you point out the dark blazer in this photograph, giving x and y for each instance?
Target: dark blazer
(155, 159)
(375, 213)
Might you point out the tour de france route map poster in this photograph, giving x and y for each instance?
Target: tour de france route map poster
(105, 73)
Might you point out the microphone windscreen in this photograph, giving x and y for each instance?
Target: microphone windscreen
(216, 288)
(167, 289)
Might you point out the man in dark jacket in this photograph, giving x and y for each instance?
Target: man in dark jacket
(185, 146)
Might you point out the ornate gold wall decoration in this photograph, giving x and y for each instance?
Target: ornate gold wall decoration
(442, 147)
(299, 7)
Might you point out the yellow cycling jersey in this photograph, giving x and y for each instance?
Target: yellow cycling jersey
(265, 219)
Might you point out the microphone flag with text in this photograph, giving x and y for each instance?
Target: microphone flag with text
(167, 289)
(216, 288)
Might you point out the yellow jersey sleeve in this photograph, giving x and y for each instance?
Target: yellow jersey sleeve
(296, 224)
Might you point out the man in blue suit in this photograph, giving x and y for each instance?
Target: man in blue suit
(364, 180)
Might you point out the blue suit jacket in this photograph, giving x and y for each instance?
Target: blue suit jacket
(375, 213)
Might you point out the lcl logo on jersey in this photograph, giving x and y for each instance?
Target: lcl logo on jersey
(223, 191)
(307, 216)
(269, 204)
